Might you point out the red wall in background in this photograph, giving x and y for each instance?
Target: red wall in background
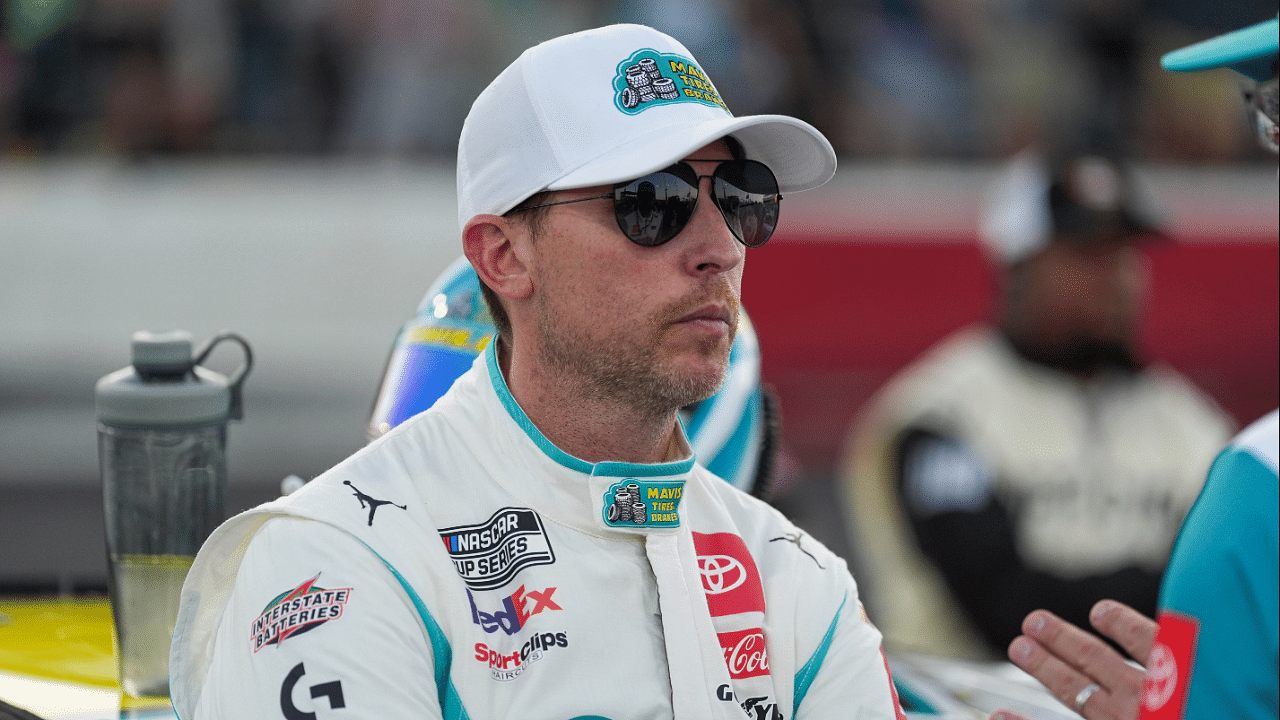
(837, 317)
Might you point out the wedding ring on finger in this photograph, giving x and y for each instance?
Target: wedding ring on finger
(1083, 696)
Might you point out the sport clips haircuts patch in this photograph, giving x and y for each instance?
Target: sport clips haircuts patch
(650, 79)
(489, 555)
(297, 611)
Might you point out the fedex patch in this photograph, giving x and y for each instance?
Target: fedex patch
(516, 610)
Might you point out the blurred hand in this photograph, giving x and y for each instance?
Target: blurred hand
(1067, 659)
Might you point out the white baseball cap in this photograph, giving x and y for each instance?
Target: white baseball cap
(608, 105)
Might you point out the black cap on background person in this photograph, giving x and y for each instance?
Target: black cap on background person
(1080, 197)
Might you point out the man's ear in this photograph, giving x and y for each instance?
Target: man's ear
(493, 245)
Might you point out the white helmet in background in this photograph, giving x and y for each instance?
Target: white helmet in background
(734, 432)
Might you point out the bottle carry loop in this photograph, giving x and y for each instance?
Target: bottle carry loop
(236, 379)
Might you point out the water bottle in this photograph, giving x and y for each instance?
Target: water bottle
(162, 436)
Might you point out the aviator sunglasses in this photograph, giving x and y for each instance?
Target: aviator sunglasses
(653, 209)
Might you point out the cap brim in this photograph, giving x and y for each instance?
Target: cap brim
(799, 155)
(1250, 51)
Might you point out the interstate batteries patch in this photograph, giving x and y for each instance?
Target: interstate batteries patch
(489, 555)
(297, 611)
(650, 78)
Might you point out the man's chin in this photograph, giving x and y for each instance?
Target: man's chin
(701, 347)
(699, 380)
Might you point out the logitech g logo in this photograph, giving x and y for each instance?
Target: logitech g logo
(330, 690)
(720, 573)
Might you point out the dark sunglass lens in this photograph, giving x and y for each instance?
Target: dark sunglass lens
(746, 192)
(652, 209)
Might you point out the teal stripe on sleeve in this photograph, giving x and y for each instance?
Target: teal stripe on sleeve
(805, 677)
(450, 701)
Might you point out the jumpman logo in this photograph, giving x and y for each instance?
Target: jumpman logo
(369, 502)
(795, 538)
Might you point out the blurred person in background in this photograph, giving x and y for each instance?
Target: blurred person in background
(883, 78)
(1036, 461)
(413, 67)
(1215, 650)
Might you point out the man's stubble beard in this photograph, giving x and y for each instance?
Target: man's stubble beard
(627, 367)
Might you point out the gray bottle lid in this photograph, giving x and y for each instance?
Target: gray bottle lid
(166, 387)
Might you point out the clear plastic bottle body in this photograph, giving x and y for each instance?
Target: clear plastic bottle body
(164, 491)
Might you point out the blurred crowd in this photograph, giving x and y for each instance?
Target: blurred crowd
(883, 79)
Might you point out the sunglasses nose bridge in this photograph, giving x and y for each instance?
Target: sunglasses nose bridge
(707, 190)
(718, 245)
(707, 197)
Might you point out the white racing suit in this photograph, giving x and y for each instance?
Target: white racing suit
(464, 567)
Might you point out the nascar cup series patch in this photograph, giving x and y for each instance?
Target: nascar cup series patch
(650, 79)
(634, 503)
(489, 554)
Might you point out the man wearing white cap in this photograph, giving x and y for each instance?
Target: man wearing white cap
(542, 542)
(1033, 461)
(1215, 652)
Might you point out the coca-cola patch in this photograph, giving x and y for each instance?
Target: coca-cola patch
(1164, 690)
(745, 653)
(730, 578)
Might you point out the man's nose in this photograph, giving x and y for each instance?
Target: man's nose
(711, 245)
